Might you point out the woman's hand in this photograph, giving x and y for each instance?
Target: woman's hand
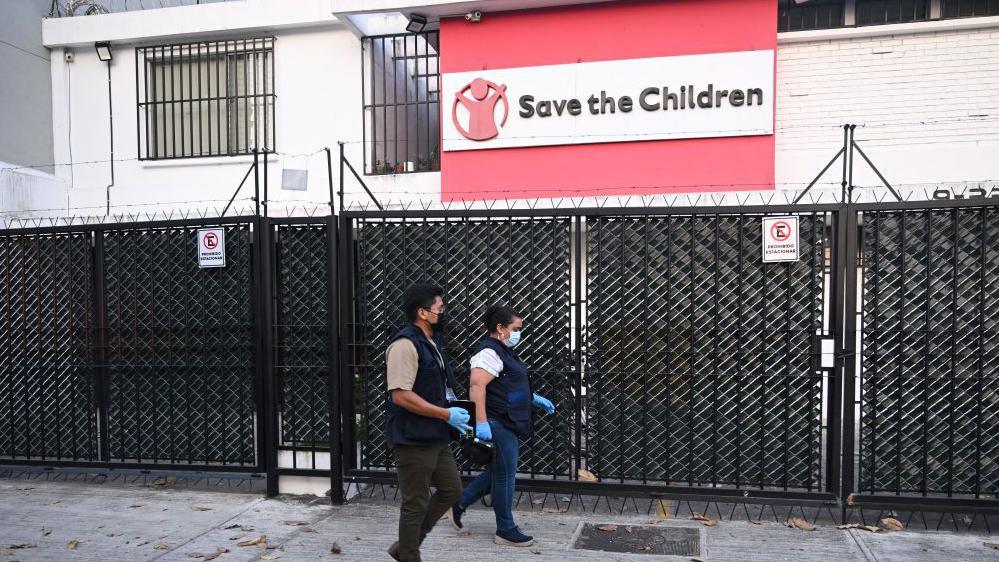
(544, 403)
(483, 431)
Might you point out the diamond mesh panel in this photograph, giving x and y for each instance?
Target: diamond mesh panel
(47, 404)
(302, 335)
(700, 361)
(179, 348)
(524, 263)
(930, 392)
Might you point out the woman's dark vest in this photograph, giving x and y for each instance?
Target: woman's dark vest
(509, 396)
(403, 427)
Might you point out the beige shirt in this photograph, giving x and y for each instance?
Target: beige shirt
(401, 364)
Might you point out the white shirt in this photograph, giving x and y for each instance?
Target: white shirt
(488, 361)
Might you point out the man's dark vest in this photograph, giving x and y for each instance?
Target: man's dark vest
(403, 427)
(509, 396)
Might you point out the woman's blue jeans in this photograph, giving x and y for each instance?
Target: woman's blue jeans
(498, 478)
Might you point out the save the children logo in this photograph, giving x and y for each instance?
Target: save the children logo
(481, 107)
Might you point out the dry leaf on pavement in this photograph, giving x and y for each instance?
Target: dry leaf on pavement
(261, 540)
(335, 549)
(164, 480)
(270, 557)
(757, 521)
(200, 508)
(799, 523)
(209, 556)
(17, 546)
(73, 544)
(607, 527)
(535, 550)
(992, 545)
(698, 559)
(892, 524)
(706, 521)
(586, 475)
(161, 546)
(870, 528)
(46, 532)
(295, 523)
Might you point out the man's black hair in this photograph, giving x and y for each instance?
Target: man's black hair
(421, 295)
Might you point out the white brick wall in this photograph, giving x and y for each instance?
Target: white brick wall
(927, 105)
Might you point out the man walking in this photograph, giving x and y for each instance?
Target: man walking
(419, 424)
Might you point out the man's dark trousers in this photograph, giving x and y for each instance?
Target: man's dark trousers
(419, 467)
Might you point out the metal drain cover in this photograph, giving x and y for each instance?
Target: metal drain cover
(639, 539)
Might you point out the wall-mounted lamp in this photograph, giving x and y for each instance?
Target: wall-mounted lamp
(416, 23)
(103, 51)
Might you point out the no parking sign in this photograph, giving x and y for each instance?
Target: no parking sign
(211, 247)
(780, 239)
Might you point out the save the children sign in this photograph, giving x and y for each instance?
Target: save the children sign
(677, 97)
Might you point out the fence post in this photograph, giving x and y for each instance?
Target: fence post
(345, 268)
(267, 403)
(335, 373)
(100, 355)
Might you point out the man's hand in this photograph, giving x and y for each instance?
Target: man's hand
(458, 419)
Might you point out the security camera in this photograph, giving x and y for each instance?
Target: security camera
(474, 16)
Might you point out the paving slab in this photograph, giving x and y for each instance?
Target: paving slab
(163, 523)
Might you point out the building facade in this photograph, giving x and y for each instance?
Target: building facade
(195, 89)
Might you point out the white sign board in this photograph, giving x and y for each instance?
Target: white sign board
(780, 239)
(691, 96)
(211, 247)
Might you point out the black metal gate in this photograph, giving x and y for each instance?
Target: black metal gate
(861, 375)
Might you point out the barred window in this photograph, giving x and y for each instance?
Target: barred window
(205, 98)
(401, 103)
(817, 14)
(968, 8)
(875, 12)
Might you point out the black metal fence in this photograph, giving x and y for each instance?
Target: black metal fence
(680, 363)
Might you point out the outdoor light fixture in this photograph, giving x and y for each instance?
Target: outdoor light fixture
(416, 23)
(103, 51)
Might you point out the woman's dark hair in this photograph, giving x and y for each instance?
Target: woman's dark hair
(498, 314)
(421, 295)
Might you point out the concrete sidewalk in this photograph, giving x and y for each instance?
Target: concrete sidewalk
(151, 522)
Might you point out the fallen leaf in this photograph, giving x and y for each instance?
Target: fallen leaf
(335, 549)
(55, 502)
(261, 540)
(233, 526)
(799, 523)
(26, 488)
(870, 528)
(757, 521)
(295, 523)
(270, 557)
(200, 508)
(698, 559)
(73, 544)
(161, 546)
(607, 527)
(628, 529)
(164, 480)
(46, 532)
(135, 506)
(535, 550)
(21, 545)
(308, 530)
(586, 475)
(892, 524)
(209, 556)
(706, 521)
(992, 545)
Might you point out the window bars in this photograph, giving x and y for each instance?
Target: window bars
(211, 98)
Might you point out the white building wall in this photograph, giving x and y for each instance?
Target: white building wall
(923, 94)
(925, 103)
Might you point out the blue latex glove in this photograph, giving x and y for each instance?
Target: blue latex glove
(543, 403)
(458, 419)
(483, 431)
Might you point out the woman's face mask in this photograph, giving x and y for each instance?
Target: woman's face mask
(513, 340)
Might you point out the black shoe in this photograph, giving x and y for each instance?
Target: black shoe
(513, 537)
(393, 551)
(454, 515)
